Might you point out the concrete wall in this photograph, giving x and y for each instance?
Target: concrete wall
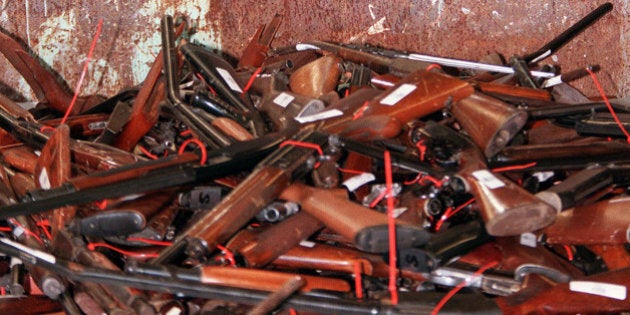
(60, 32)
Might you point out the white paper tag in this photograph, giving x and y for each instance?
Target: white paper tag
(398, 94)
(44, 181)
(543, 176)
(399, 211)
(229, 80)
(283, 99)
(97, 125)
(528, 239)
(308, 244)
(488, 179)
(613, 291)
(34, 252)
(319, 116)
(357, 181)
(301, 47)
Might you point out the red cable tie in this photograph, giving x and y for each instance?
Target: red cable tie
(451, 212)
(43, 225)
(292, 312)
(345, 170)
(358, 283)
(415, 180)
(438, 183)
(569, 251)
(359, 112)
(391, 223)
(422, 149)
(451, 293)
(229, 256)
(85, 69)
(185, 132)
(93, 246)
(202, 147)
(610, 108)
(101, 204)
(3, 291)
(147, 153)
(149, 241)
(378, 199)
(5, 229)
(26, 231)
(302, 144)
(433, 66)
(251, 80)
(513, 167)
(346, 93)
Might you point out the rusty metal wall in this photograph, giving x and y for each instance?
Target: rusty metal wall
(59, 32)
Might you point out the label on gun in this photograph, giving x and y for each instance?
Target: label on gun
(229, 80)
(355, 182)
(528, 239)
(44, 181)
(613, 291)
(398, 94)
(488, 179)
(319, 116)
(283, 99)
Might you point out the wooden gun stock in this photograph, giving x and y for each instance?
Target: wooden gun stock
(417, 95)
(365, 227)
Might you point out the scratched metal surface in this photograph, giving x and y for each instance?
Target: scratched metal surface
(60, 32)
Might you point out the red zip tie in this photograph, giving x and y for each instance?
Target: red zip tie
(358, 283)
(359, 112)
(101, 204)
(3, 291)
(569, 251)
(422, 149)
(44, 224)
(292, 312)
(85, 68)
(251, 80)
(345, 170)
(304, 145)
(610, 108)
(415, 180)
(5, 229)
(451, 212)
(391, 223)
(93, 246)
(451, 293)
(202, 147)
(229, 256)
(185, 132)
(147, 153)
(149, 241)
(513, 167)
(438, 183)
(378, 199)
(346, 93)
(26, 231)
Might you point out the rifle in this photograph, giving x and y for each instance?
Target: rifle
(506, 208)
(489, 122)
(172, 281)
(602, 223)
(216, 226)
(366, 228)
(257, 249)
(562, 156)
(317, 77)
(255, 52)
(20, 157)
(146, 176)
(418, 94)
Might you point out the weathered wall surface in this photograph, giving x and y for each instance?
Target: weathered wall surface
(60, 32)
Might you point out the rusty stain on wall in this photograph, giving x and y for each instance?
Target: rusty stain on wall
(60, 32)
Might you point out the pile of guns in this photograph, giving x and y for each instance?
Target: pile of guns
(317, 178)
